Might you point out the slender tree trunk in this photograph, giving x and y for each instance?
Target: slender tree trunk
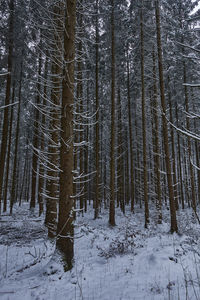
(179, 161)
(8, 151)
(132, 183)
(145, 174)
(112, 150)
(127, 173)
(173, 156)
(7, 100)
(96, 211)
(52, 184)
(120, 161)
(14, 175)
(86, 167)
(24, 176)
(189, 143)
(35, 143)
(80, 99)
(28, 180)
(65, 228)
(156, 147)
(174, 227)
(41, 181)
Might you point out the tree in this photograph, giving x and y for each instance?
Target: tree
(145, 174)
(65, 228)
(112, 149)
(174, 227)
(97, 115)
(7, 97)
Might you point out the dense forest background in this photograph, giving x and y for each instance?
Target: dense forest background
(99, 113)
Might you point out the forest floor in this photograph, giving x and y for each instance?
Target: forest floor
(126, 262)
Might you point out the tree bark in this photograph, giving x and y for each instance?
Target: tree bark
(96, 211)
(112, 150)
(8, 151)
(7, 99)
(156, 147)
(14, 175)
(174, 227)
(65, 228)
(35, 143)
(145, 174)
(132, 183)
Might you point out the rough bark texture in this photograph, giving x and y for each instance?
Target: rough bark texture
(179, 164)
(96, 211)
(132, 185)
(145, 174)
(65, 228)
(120, 159)
(35, 144)
(174, 227)
(7, 99)
(156, 147)
(41, 182)
(193, 202)
(112, 150)
(54, 124)
(14, 175)
(8, 151)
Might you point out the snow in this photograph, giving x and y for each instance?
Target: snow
(124, 262)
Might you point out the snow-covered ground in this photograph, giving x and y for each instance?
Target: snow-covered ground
(124, 262)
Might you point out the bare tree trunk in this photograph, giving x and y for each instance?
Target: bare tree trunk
(8, 151)
(112, 150)
(120, 161)
(24, 175)
(41, 181)
(189, 143)
(173, 156)
(179, 162)
(132, 183)
(145, 174)
(7, 100)
(52, 184)
(174, 227)
(65, 228)
(156, 147)
(35, 143)
(80, 98)
(96, 211)
(14, 175)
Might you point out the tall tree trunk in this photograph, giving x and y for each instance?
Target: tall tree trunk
(7, 99)
(14, 175)
(179, 164)
(35, 142)
(112, 150)
(120, 160)
(24, 175)
(189, 143)
(65, 228)
(174, 227)
(52, 184)
(145, 174)
(96, 211)
(8, 151)
(41, 181)
(173, 155)
(80, 100)
(156, 148)
(132, 183)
